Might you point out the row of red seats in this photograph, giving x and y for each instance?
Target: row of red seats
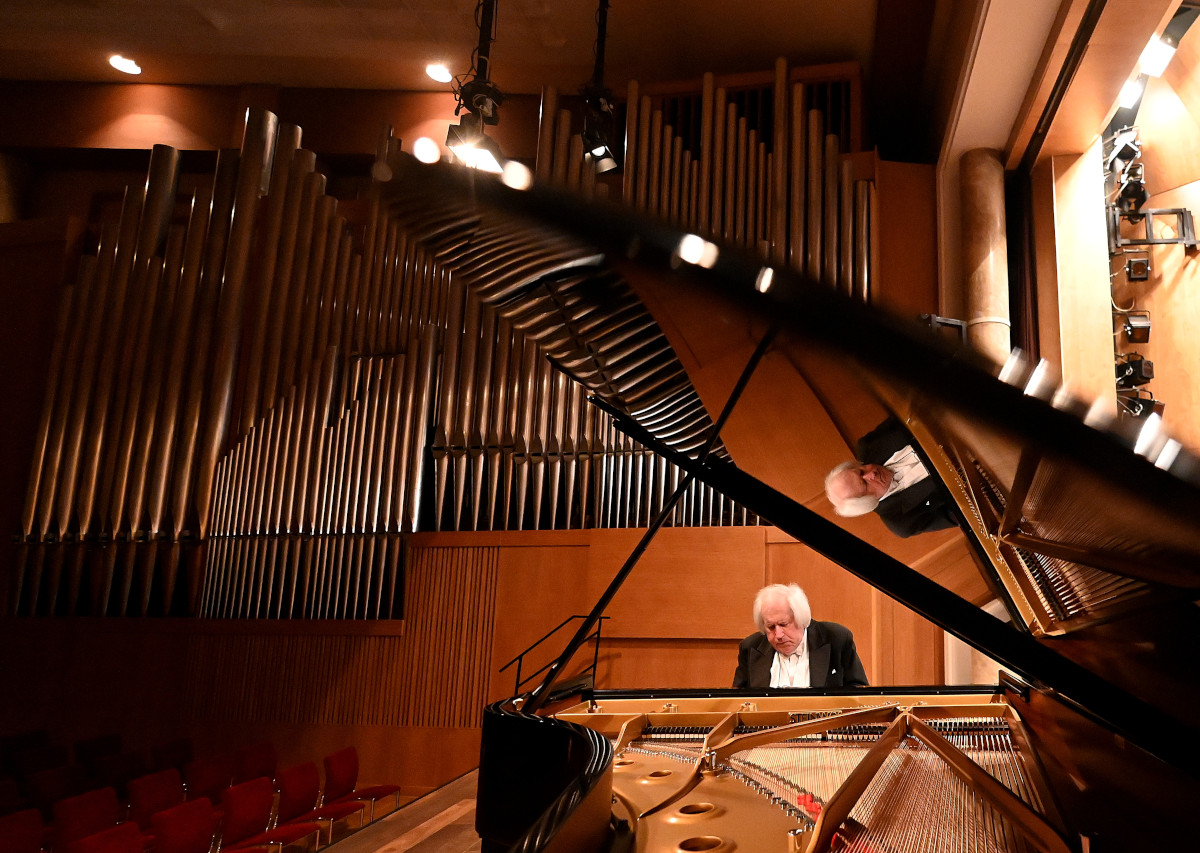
(36, 772)
(165, 815)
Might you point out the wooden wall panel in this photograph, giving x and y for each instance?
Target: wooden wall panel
(680, 663)
(537, 588)
(683, 585)
(1084, 312)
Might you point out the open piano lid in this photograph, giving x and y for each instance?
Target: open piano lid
(1087, 534)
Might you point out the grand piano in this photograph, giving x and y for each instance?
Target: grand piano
(1082, 527)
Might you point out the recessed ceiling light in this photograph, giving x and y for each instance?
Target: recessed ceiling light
(438, 72)
(122, 64)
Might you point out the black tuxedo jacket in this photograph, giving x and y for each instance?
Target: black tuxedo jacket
(832, 658)
(919, 508)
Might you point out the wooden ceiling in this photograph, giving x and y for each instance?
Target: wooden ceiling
(385, 44)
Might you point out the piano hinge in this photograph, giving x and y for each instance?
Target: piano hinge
(1011, 684)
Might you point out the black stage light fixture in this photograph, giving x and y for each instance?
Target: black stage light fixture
(466, 139)
(598, 122)
(1124, 148)
(1133, 370)
(1137, 268)
(1138, 403)
(481, 100)
(1133, 193)
(1137, 327)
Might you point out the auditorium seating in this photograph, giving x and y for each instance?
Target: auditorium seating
(84, 814)
(299, 794)
(122, 838)
(22, 832)
(247, 810)
(90, 751)
(189, 827)
(207, 776)
(116, 770)
(47, 787)
(293, 807)
(341, 777)
(152, 793)
(11, 797)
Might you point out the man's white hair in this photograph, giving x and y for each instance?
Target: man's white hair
(790, 593)
(849, 507)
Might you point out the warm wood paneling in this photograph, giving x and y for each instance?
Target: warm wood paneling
(686, 584)
(680, 663)
(1081, 251)
(537, 589)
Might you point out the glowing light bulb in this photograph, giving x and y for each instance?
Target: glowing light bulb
(128, 66)
(439, 72)
(427, 150)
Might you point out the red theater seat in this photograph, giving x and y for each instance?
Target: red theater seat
(22, 832)
(153, 793)
(186, 828)
(247, 822)
(85, 814)
(341, 776)
(122, 838)
(299, 795)
(208, 776)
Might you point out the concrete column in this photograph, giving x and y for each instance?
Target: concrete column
(985, 253)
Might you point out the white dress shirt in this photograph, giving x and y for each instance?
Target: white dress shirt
(906, 468)
(791, 670)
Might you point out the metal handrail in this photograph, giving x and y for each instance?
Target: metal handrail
(519, 659)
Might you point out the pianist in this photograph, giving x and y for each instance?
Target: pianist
(791, 649)
(890, 478)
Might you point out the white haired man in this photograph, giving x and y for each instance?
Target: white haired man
(791, 649)
(892, 481)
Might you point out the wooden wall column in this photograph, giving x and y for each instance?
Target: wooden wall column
(985, 253)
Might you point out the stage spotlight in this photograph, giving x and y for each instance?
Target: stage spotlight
(1137, 268)
(596, 130)
(1124, 148)
(1131, 92)
(468, 143)
(481, 99)
(1133, 370)
(1133, 194)
(1138, 403)
(598, 122)
(1155, 57)
(1137, 327)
